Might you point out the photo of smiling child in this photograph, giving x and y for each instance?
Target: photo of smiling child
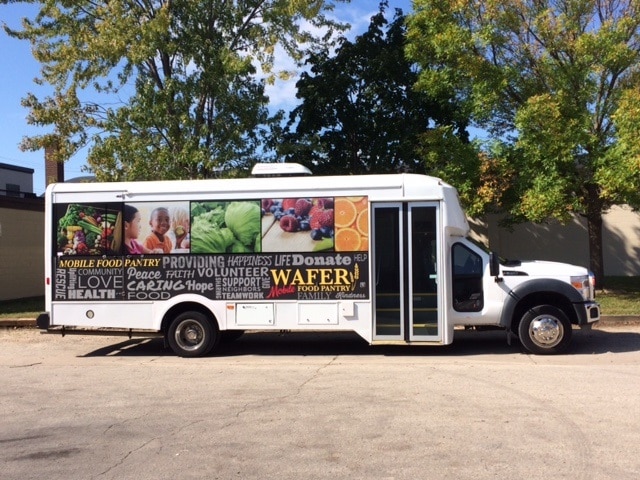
(158, 240)
(126, 233)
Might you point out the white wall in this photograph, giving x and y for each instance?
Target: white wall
(21, 253)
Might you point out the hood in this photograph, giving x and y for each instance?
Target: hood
(540, 268)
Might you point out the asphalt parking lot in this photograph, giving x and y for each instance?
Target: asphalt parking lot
(319, 406)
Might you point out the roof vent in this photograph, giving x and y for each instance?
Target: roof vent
(279, 170)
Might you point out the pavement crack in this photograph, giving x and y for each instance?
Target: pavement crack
(255, 404)
(124, 458)
(26, 365)
(314, 376)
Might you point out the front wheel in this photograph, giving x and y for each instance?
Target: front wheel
(545, 330)
(192, 334)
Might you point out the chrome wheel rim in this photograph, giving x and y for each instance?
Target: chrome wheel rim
(189, 335)
(546, 331)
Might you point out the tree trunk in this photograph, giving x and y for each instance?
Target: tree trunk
(596, 257)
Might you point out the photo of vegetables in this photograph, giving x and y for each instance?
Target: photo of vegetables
(226, 227)
(85, 229)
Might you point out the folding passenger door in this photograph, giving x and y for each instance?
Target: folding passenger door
(405, 277)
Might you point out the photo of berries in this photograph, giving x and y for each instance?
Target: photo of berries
(297, 224)
(314, 224)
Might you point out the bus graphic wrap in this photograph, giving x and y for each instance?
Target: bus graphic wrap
(281, 276)
(299, 248)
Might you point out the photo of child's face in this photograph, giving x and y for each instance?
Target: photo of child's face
(160, 221)
(132, 229)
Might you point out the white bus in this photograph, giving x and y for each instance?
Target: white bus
(385, 256)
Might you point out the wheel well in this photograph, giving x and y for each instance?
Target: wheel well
(176, 310)
(543, 298)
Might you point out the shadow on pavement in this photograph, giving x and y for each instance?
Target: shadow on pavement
(465, 343)
(135, 347)
(605, 341)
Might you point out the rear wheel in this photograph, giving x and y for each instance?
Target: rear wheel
(545, 330)
(192, 334)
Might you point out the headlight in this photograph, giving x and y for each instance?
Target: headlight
(583, 284)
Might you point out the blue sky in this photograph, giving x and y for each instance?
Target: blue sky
(19, 69)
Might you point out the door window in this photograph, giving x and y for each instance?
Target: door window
(467, 279)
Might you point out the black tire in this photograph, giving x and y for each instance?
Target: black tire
(192, 334)
(545, 330)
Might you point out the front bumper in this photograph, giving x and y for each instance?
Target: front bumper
(588, 312)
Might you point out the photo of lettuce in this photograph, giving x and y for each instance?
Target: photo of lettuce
(243, 218)
(225, 227)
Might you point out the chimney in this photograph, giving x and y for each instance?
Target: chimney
(53, 170)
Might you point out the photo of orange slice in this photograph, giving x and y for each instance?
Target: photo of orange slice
(344, 212)
(362, 204)
(362, 222)
(347, 240)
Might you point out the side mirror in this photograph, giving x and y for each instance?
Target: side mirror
(494, 265)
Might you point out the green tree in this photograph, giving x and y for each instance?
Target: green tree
(556, 84)
(359, 112)
(161, 88)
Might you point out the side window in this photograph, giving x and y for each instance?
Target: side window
(467, 279)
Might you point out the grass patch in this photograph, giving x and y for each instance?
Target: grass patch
(22, 308)
(620, 296)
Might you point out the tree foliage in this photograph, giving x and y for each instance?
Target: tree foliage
(359, 112)
(556, 84)
(161, 88)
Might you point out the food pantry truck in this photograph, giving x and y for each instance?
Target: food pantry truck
(385, 256)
